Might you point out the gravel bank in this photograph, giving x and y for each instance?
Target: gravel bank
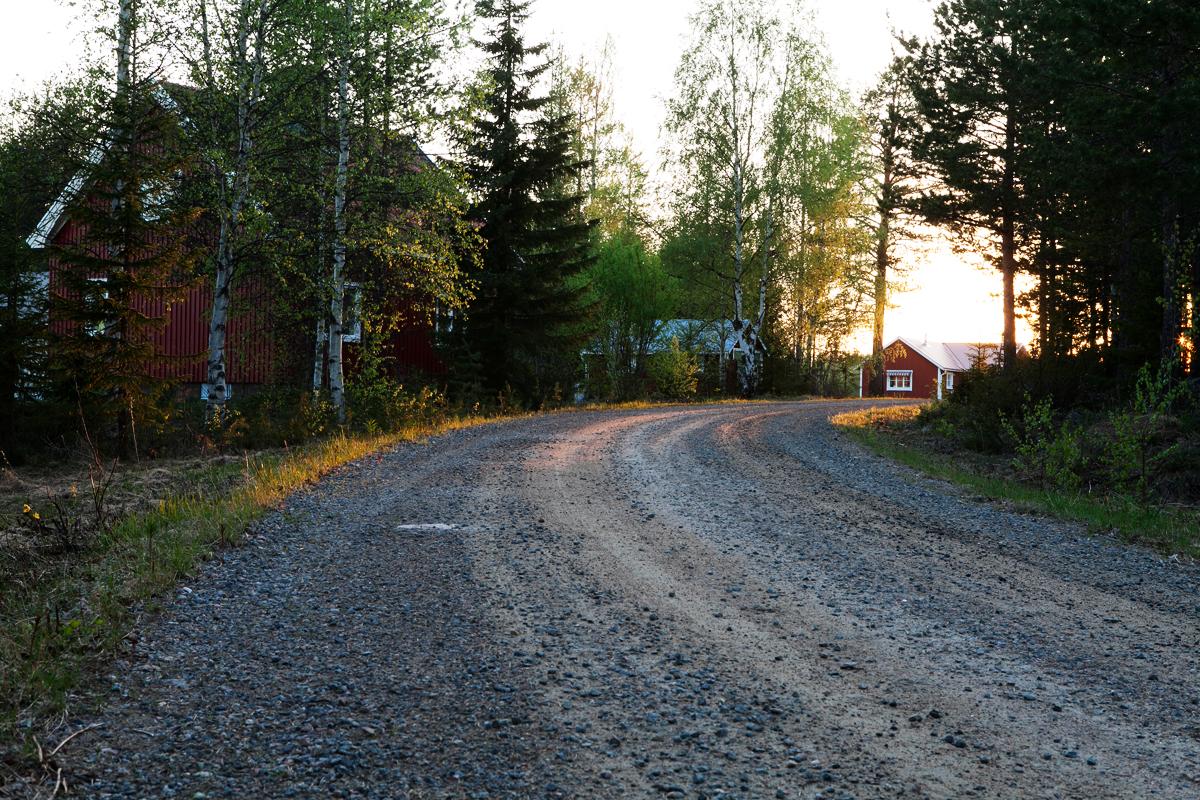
(697, 602)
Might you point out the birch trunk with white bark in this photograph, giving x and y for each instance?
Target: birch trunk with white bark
(235, 188)
(124, 45)
(337, 387)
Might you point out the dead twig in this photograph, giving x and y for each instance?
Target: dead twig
(64, 742)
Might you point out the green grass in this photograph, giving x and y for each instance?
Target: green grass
(1167, 530)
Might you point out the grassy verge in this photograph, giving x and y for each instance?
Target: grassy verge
(887, 431)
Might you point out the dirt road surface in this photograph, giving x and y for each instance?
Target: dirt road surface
(700, 602)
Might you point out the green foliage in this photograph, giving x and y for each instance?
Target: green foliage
(1046, 453)
(116, 284)
(634, 294)
(1141, 446)
(377, 404)
(1171, 531)
(43, 139)
(674, 372)
(1141, 432)
(1053, 133)
(531, 316)
(770, 156)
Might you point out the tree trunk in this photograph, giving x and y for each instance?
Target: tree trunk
(337, 389)
(125, 23)
(1194, 331)
(1168, 347)
(739, 332)
(1008, 247)
(318, 370)
(882, 259)
(250, 72)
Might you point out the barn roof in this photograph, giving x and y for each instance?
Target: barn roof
(953, 356)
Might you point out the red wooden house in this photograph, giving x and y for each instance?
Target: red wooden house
(257, 352)
(926, 370)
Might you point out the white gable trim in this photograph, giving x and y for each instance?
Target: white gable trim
(55, 217)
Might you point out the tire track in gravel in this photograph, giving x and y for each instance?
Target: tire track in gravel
(1023, 700)
(701, 602)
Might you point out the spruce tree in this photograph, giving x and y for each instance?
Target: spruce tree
(115, 282)
(526, 327)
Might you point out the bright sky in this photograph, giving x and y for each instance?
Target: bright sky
(948, 299)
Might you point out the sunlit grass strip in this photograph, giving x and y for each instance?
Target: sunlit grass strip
(1171, 532)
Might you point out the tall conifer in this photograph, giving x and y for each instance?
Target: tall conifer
(525, 328)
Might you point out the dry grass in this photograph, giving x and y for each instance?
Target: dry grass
(879, 417)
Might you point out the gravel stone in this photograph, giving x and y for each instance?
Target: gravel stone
(702, 602)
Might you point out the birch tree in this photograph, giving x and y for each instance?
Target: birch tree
(337, 386)
(229, 65)
(738, 121)
(725, 84)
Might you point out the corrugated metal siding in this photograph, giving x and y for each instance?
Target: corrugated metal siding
(254, 350)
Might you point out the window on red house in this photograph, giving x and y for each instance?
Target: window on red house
(899, 380)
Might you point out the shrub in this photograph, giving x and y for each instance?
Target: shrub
(986, 395)
(1142, 433)
(375, 404)
(675, 372)
(1046, 453)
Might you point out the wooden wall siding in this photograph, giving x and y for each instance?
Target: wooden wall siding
(181, 345)
(413, 351)
(256, 353)
(925, 376)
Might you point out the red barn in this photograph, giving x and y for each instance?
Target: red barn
(926, 370)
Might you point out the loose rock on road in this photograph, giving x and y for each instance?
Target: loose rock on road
(701, 602)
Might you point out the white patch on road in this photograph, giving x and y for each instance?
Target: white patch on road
(429, 526)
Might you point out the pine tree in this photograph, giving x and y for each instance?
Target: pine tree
(526, 325)
(971, 87)
(889, 109)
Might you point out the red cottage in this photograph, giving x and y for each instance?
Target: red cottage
(925, 370)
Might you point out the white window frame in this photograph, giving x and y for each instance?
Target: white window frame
(899, 373)
(352, 297)
(949, 381)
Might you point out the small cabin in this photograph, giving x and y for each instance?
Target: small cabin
(925, 370)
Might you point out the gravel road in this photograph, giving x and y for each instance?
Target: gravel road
(700, 602)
